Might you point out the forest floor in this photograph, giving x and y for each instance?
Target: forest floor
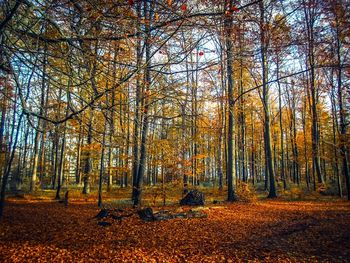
(260, 231)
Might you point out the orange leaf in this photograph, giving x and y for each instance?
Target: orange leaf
(234, 8)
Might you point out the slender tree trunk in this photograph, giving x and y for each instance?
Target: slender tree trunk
(42, 156)
(37, 132)
(343, 131)
(53, 160)
(242, 150)
(221, 128)
(24, 165)
(55, 168)
(9, 165)
(219, 160)
(230, 171)
(112, 127)
(78, 160)
(127, 116)
(88, 160)
(307, 176)
(145, 124)
(253, 174)
(137, 118)
(101, 168)
(335, 149)
(265, 97)
(310, 24)
(43, 166)
(61, 165)
(36, 159)
(4, 104)
(283, 176)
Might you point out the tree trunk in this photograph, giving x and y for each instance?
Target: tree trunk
(88, 160)
(101, 169)
(283, 176)
(8, 166)
(265, 102)
(310, 23)
(230, 171)
(137, 118)
(342, 117)
(335, 149)
(78, 160)
(145, 125)
(61, 165)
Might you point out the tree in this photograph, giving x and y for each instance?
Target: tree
(230, 173)
(265, 101)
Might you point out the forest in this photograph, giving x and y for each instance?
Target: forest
(118, 105)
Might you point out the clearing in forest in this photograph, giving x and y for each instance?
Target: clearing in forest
(268, 231)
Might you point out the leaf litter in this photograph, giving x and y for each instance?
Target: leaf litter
(266, 231)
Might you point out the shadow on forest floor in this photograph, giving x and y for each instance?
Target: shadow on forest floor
(267, 231)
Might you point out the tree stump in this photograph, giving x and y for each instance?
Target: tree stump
(102, 214)
(193, 197)
(146, 214)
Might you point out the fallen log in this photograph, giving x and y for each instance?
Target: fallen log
(148, 215)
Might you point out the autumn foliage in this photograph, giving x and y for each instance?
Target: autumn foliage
(122, 105)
